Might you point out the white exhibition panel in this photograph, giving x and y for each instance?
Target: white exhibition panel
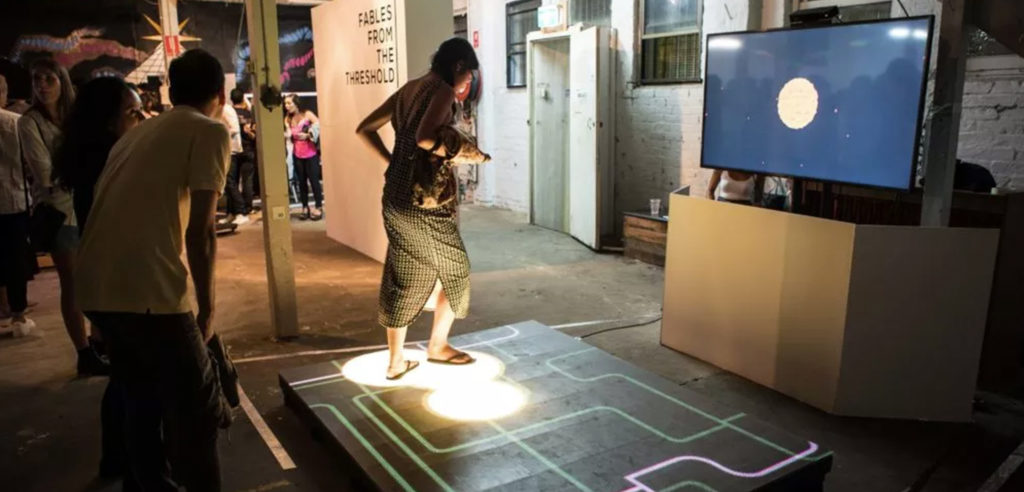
(365, 51)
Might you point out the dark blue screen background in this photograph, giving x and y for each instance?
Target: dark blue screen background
(868, 79)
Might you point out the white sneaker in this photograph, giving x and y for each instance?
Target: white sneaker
(20, 329)
(241, 220)
(227, 219)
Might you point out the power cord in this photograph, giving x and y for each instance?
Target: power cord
(614, 328)
(905, 13)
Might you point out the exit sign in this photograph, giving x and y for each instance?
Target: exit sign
(549, 16)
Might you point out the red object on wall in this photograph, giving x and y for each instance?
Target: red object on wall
(172, 46)
(476, 39)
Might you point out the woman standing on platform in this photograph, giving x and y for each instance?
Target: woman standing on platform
(303, 127)
(426, 256)
(39, 131)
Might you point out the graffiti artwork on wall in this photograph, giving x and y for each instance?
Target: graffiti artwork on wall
(83, 44)
(291, 60)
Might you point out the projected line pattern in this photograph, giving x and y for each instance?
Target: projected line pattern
(511, 435)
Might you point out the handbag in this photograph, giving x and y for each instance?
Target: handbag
(44, 219)
(226, 372)
(433, 180)
(43, 225)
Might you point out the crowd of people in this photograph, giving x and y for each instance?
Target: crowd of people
(123, 196)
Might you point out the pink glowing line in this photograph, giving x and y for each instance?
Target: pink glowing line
(633, 478)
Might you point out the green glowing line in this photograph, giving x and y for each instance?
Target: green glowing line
(409, 452)
(766, 442)
(366, 444)
(503, 351)
(540, 457)
(427, 444)
(699, 485)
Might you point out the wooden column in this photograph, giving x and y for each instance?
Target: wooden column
(265, 65)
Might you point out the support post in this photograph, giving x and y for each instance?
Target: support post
(169, 29)
(944, 122)
(265, 65)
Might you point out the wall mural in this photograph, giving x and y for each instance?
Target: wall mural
(291, 44)
(81, 45)
(123, 38)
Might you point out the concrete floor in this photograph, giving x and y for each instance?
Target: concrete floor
(49, 419)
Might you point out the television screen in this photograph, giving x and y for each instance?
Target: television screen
(837, 103)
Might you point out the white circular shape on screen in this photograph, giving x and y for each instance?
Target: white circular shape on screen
(481, 400)
(370, 370)
(798, 103)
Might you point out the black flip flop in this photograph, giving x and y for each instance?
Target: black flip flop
(451, 360)
(409, 366)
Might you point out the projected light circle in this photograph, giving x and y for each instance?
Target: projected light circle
(370, 370)
(481, 400)
(798, 103)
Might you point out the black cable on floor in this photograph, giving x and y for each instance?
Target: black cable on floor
(614, 328)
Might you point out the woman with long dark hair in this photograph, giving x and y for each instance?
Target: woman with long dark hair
(303, 127)
(105, 109)
(425, 249)
(39, 131)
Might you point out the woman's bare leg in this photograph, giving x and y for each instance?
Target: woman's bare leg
(438, 347)
(396, 340)
(74, 321)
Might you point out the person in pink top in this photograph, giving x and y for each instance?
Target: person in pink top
(300, 123)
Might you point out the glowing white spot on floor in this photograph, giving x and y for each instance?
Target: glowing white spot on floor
(482, 400)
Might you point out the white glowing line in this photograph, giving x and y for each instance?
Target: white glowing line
(515, 333)
(920, 34)
(268, 436)
(583, 323)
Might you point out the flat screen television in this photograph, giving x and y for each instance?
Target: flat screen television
(838, 103)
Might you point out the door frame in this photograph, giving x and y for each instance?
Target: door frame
(532, 39)
(606, 120)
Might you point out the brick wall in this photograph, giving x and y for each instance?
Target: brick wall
(992, 121)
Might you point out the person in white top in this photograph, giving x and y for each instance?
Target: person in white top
(39, 130)
(733, 187)
(14, 252)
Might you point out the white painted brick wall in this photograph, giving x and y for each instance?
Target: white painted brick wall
(503, 112)
(657, 129)
(992, 121)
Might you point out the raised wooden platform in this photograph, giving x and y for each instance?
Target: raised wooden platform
(590, 422)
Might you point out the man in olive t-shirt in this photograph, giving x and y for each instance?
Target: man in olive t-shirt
(156, 199)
